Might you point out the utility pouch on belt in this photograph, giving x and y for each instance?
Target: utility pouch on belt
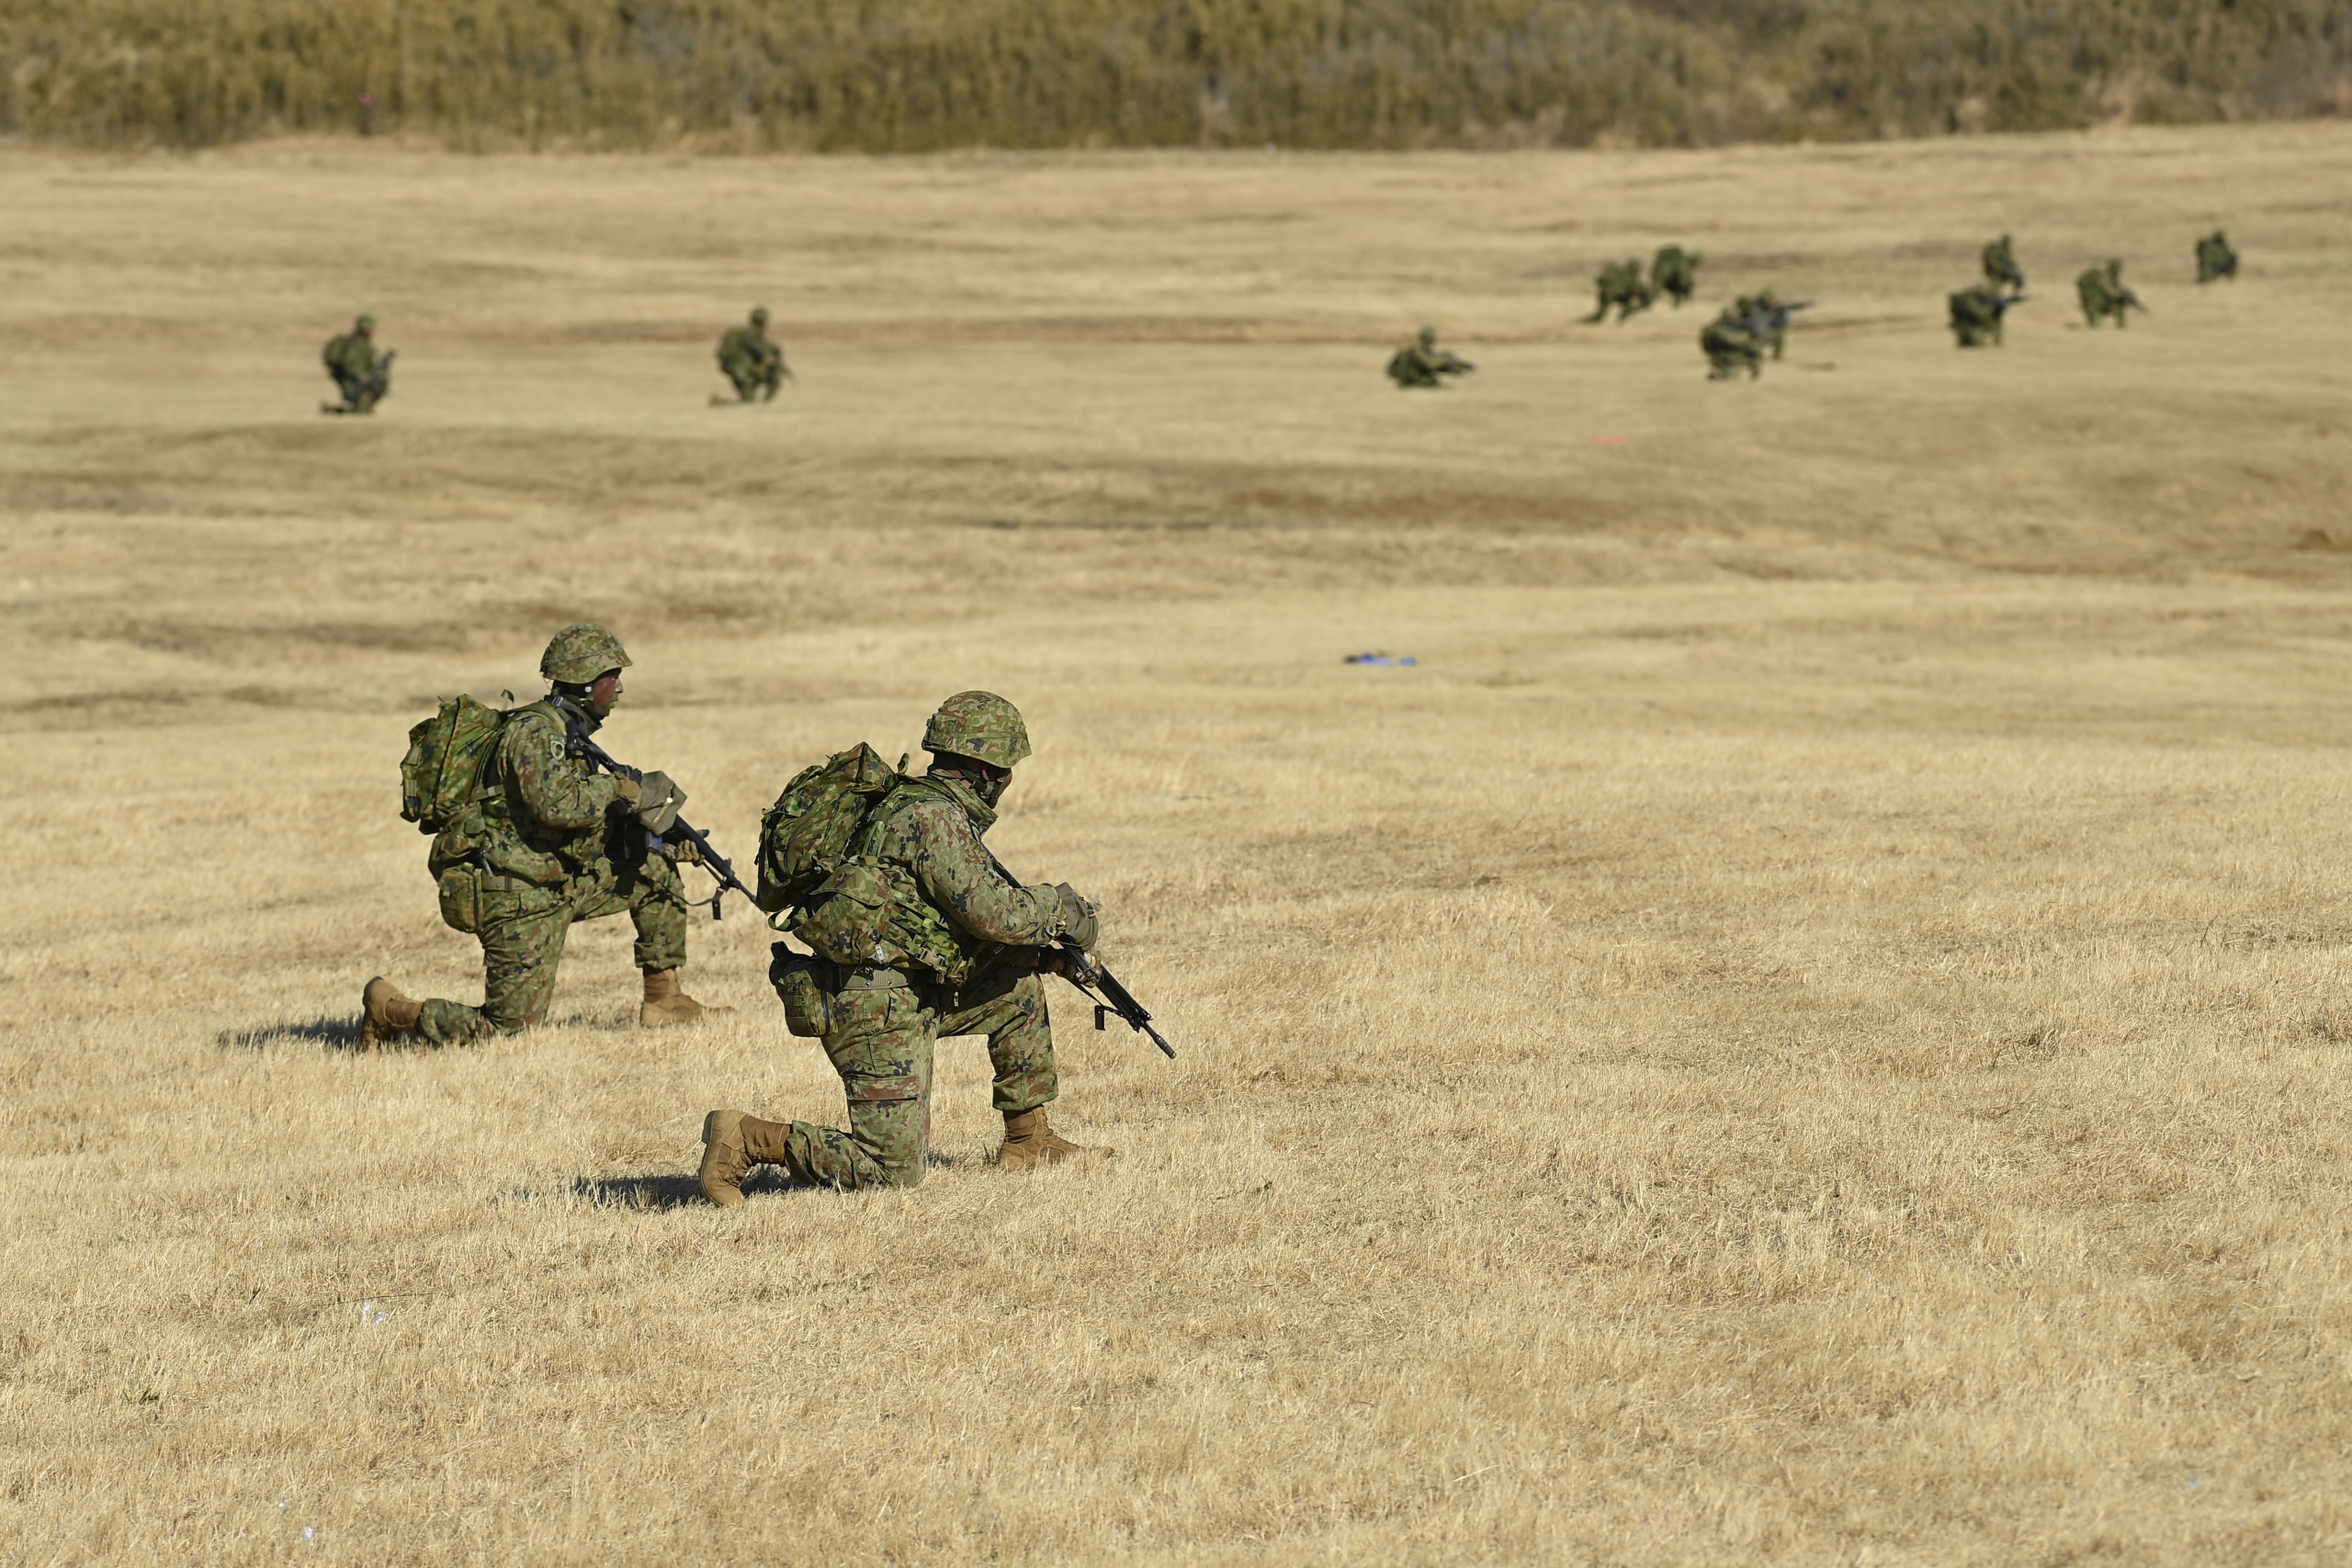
(849, 914)
(460, 887)
(794, 975)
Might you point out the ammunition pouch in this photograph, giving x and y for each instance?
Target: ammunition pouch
(461, 889)
(799, 985)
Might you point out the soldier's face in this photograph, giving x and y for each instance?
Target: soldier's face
(604, 692)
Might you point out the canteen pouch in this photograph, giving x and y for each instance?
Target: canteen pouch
(460, 888)
(849, 914)
(794, 975)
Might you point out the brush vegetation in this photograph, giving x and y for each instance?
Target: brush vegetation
(897, 75)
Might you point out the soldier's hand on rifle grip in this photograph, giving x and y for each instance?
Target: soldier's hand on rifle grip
(1081, 920)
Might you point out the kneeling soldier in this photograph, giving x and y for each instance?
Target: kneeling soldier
(552, 843)
(958, 954)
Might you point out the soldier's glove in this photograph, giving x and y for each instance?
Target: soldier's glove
(1081, 920)
(658, 802)
(685, 852)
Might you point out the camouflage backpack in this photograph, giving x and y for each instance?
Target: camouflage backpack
(443, 768)
(809, 830)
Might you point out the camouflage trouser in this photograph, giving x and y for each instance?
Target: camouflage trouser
(362, 393)
(880, 1041)
(751, 377)
(523, 931)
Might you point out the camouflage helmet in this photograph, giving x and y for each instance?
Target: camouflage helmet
(980, 725)
(1429, 334)
(759, 315)
(581, 652)
(365, 324)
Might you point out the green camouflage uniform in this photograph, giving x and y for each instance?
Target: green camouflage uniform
(1675, 272)
(751, 360)
(361, 378)
(1976, 315)
(2001, 269)
(1730, 346)
(2215, 258)
(1421, 363)
(1620, 284)
(883, 1021)
(2102, 293)
(553, 851)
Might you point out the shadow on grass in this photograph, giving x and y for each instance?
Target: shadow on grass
(328, 1033)
(656, 1192)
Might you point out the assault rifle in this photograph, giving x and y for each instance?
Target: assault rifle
(712, 860)
(1074, 965)
(2131, 299)
(1090, 977)
(379, 381)
(1776, 318)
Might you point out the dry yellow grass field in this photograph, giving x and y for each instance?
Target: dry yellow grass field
(1809, 1027)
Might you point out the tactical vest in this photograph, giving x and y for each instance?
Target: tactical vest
(871, 910)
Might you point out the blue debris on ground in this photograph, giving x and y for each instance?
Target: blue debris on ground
(1380, 659)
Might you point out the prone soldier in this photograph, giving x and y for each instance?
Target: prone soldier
(1421, 363)
(547, 842)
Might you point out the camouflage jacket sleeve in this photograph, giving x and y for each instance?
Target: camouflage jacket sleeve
(937, 844)
(560, 792)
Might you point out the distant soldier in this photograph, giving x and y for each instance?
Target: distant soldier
(1421, 362)
(2103, 294)
(361, 375)
(1675, 272)
(2215, 259)
(1978, 312)
(1620, 284)
(753, 360)
(2001, 268)
(1731, 344)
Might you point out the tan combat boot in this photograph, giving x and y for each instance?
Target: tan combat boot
(666, 1003)
(1029, 1141)
(385, 1014)
(732, 1143)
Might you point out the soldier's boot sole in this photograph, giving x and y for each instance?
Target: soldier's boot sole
(385, 1014)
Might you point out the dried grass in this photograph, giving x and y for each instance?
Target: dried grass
(1808, 1028)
